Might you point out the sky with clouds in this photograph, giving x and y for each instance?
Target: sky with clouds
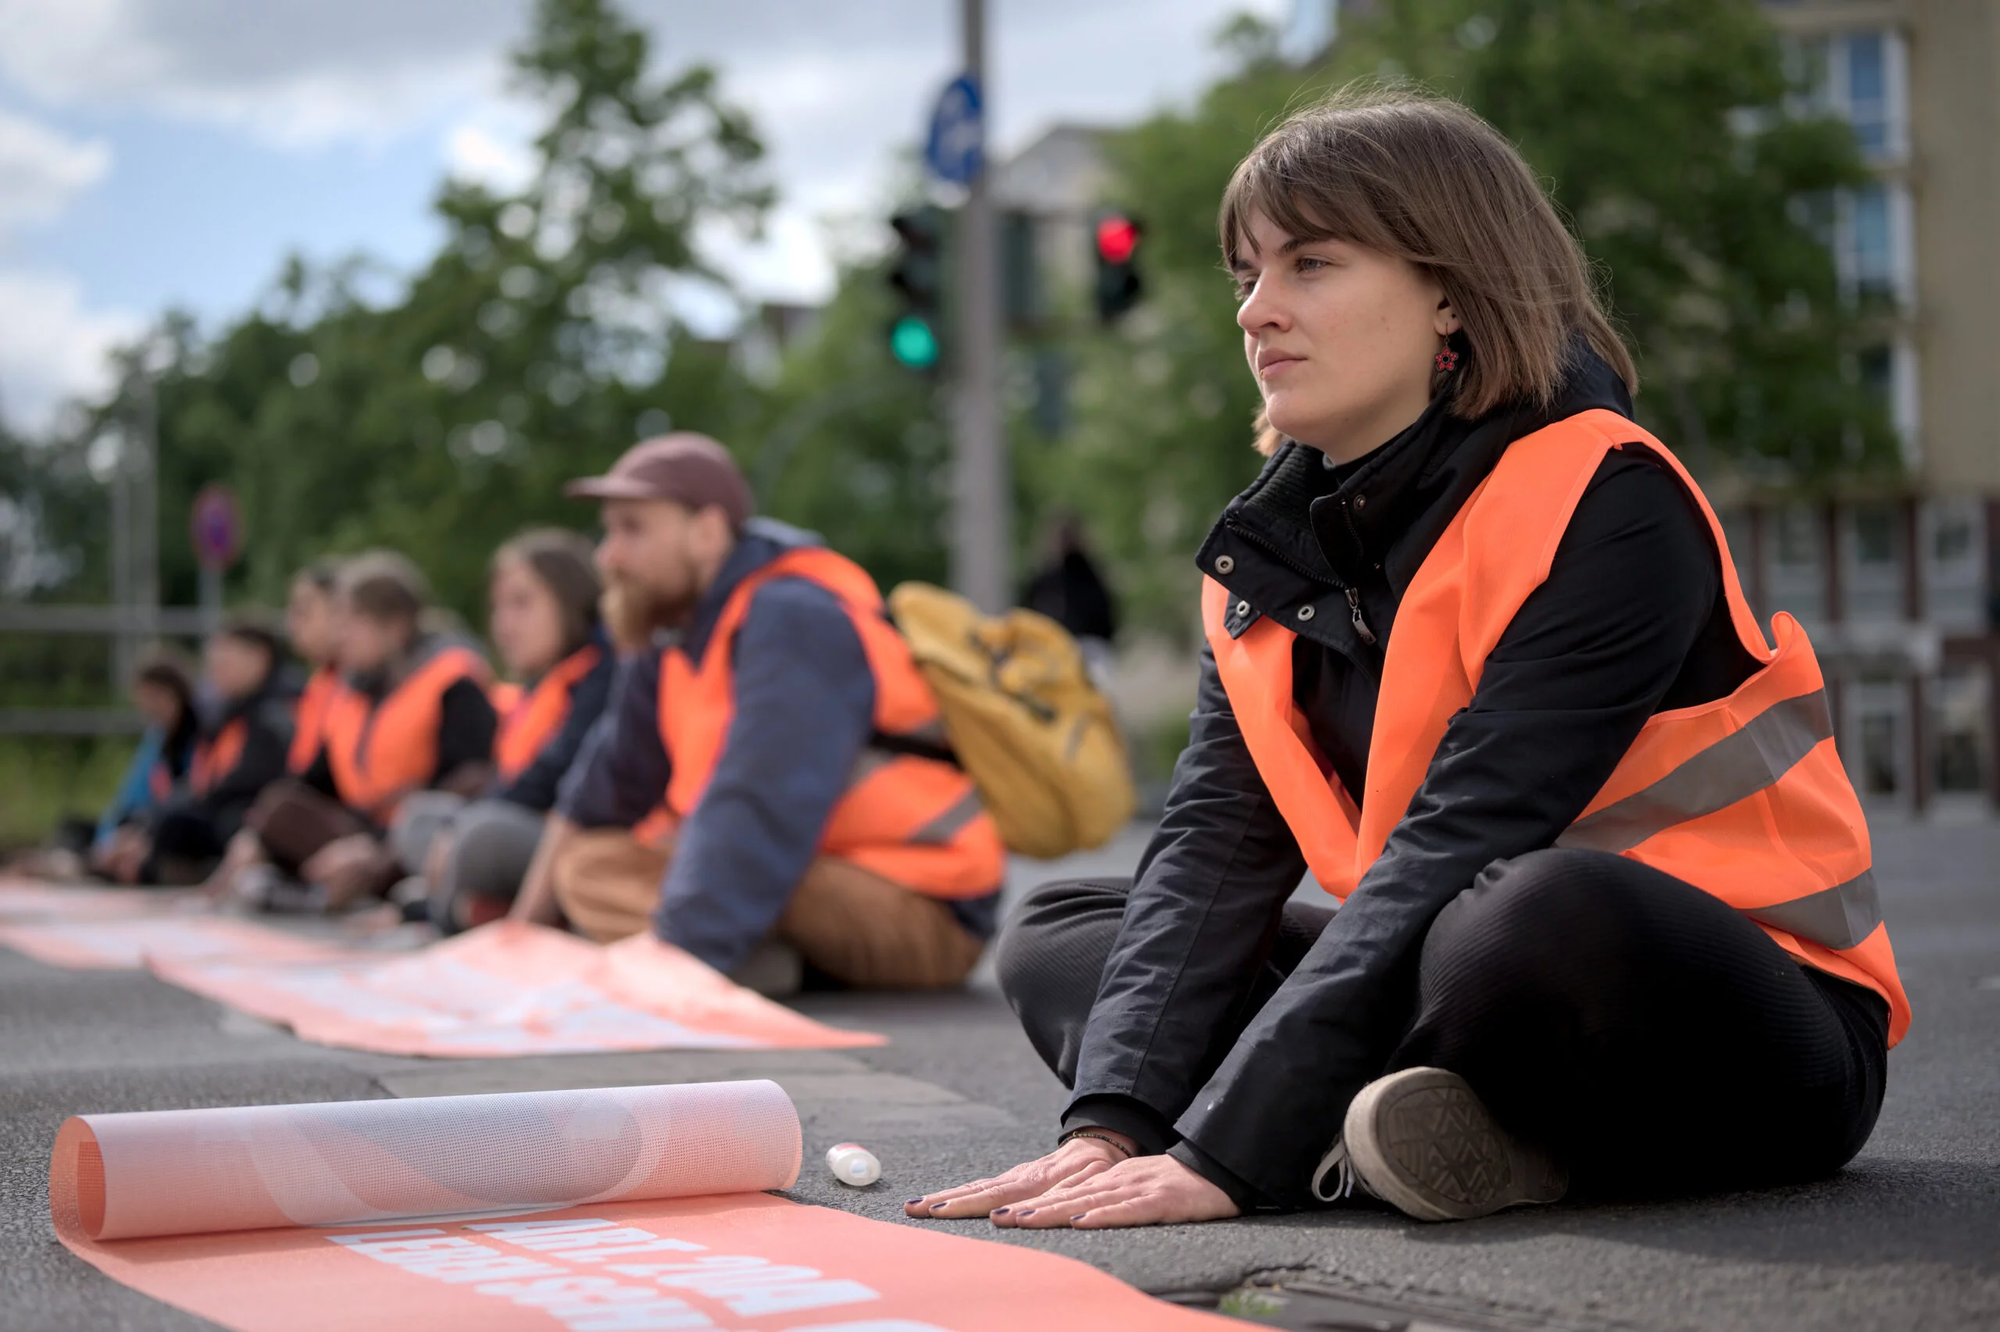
(172, 152)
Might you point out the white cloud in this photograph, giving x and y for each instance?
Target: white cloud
(289, 73)
(41, 170)
(490, 147)
(52, 347)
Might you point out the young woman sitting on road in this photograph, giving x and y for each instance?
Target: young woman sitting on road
(545, 625)
(1478, 660)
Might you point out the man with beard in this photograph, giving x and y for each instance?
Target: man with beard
(770, 788)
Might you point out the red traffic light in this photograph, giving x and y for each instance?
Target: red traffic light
(1117, 238)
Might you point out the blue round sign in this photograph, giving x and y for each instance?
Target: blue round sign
(216, 527)
(955, 150)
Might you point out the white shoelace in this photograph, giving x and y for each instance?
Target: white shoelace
(1335, 1160)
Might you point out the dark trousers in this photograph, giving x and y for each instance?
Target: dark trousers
(294, 822)
(1649, 1035)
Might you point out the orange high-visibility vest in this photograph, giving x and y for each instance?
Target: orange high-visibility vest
(215, 757)
(532, 719)
(915, 821)
(309, 718)
(1743, 797)
(382, 752)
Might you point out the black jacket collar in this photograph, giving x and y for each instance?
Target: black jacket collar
(1299, 538)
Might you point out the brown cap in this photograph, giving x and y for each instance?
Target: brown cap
(684, 467)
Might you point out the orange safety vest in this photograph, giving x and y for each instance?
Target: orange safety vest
(382, 752)
(215, 757)
(915, 821)
(309, 718)
(530, 720)
(1743, 797)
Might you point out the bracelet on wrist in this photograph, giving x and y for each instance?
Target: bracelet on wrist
(1115, 1145)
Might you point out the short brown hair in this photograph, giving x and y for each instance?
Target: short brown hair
(383, 585)
(166, 667)
(561, 559)
(1430, 182)
(256, 629)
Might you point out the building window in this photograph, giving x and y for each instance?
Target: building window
(1959, 729)
(1881, 707)
(1862, 77)
(1868, 107)
(1871, 563)
(1795, 563)
(1953, 545)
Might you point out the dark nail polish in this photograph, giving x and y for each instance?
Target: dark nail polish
(1002, 1211)
(1029, 1212)
(935, 1206)
(911, 1202)
(1079, 1216)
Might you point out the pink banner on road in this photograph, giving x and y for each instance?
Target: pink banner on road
(33, 899)
(505, 989)
(741, 1263)
(117, 941)
(606, 1210)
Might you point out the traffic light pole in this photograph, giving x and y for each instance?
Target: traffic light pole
(982, 531)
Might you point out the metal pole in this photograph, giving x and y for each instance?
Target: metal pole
(211, 599)
(146, 508)
(982, 535)
(123, 650)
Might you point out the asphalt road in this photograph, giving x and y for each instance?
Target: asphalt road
(1906, 1237)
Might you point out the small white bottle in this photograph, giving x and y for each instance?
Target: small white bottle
(853, 1165)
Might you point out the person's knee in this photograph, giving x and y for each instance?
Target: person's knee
(1048, 929)
(598, 865)
(1541, 902)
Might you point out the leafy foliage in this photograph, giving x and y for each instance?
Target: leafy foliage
(531, 349)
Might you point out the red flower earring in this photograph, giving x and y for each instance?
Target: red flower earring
(1447, 361)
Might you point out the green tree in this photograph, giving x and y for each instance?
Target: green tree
(1664, 132)
(532, 348)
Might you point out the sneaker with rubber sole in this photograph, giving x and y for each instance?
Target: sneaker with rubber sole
(1422, 1141)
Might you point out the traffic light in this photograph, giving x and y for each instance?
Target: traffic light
(917, 274)
(1117, 243)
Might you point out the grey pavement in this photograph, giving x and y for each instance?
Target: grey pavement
(1907, 1237)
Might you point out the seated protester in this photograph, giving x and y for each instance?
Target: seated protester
(163, 692)
(471, 857)
(239, 751)
(774, 726)
(309, 627)
(1477, 658)
(412, 715)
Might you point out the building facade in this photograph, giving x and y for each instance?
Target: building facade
(1898, 590)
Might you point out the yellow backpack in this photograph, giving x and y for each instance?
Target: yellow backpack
(1023, 718)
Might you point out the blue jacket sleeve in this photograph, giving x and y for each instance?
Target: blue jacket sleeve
(622, 768)
(135, 789)
(805, 708)
(535, 786)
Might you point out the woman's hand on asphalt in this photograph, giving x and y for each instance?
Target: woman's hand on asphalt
(1073, 1163)
(1144, 1191)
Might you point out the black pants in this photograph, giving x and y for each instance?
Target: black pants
(1650, 1036)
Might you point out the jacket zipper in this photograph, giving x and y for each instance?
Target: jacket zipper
(1353, 597)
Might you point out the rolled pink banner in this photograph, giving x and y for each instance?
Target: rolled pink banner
(188, 1172)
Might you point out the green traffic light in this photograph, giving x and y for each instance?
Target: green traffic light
(914, 342)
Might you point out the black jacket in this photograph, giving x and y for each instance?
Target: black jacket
(266, 715)
(1631, 621)
(467, 722)
(535, 786)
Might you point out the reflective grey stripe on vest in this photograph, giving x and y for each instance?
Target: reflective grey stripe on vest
(1838, 917)
(940, 830)
(1733, 768)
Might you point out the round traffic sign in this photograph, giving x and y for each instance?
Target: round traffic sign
(216, 527)
(955, 149)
